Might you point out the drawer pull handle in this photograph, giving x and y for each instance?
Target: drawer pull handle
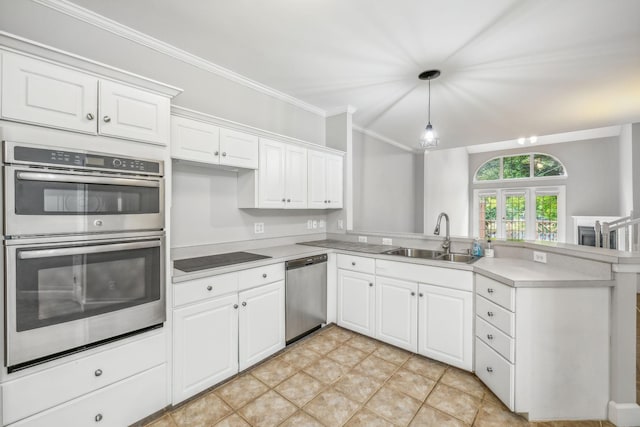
(244, 303)
(371, 285)
(490, 313)
(98, 372)
(489, 369)
(490, 290)
(98, 418)
(216, 153)
(489, 336)
(209, 288)
(264, 275)
(353, 263)
(235, 306)
(89, 116)
(106, 119)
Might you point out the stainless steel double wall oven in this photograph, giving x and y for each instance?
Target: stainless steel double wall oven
(84, 250)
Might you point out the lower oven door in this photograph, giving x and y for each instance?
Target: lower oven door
(62, 296)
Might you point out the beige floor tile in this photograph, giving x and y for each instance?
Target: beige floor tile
(347, 356)
(376, 368)
(164, 421)
(301, 419)
(233, 420)
(393, 405)
(463, 381)
(300, 388)
(300, 357)
(430, 417)
(331, 408)
(392, 354)
(357, 386)
(425, 367)
(491, 398)
(363, 343)
(325, 370)
(204, 411)
(274, 372)
(321, 344)
(411, 383)
(337, 333)
(270, 409)
(497, 416)
(450, 400)
(366, 418)
(567, 424)
(241, 390)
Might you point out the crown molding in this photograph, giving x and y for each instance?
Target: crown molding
(382, 138)
(118, 29)
(350, 109)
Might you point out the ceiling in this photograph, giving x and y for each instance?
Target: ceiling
(510, 68)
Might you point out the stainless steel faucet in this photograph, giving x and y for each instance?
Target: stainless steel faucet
(446, 245)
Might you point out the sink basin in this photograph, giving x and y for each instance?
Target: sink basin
(458, 258)
(415, 253)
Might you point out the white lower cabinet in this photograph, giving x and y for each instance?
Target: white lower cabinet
(356, 301)
(397, 312)
(445, 329)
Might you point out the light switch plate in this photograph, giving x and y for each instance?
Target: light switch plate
(322, 223)
(387, 241)
(258, 227)
(309, 224)
(315, 224)
(340, 224)
(362, 239)
(540, 257)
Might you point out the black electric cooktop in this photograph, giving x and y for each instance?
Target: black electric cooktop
(189, 265)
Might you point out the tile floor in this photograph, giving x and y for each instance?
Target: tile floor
(336, 377)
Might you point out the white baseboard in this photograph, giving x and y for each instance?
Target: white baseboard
(624, 414)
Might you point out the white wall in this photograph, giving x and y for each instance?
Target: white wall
(446, 189)
(384, 186)
(419, 193)
(626, 170)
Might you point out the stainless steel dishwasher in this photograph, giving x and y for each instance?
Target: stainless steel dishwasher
(306, 296)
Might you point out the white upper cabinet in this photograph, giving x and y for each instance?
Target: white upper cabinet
(325, 180)
(43, 93)
(39, 92)
(295, 181)
(128, 112)
(271, 175)
(334, 181)
(194, 140)
(238, 149)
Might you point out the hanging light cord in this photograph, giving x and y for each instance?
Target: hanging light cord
(429, 110)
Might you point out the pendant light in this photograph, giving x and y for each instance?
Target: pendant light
(429, 138)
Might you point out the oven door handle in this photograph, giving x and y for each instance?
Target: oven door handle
(82, 250)
(86, 179)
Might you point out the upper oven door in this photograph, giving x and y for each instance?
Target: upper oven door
(51, 202)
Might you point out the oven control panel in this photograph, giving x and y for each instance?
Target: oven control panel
(73, 159)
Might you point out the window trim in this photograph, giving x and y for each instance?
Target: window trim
(531, 176)
(530, 194)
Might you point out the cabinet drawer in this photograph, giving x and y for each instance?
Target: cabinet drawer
(439, 276)
(357, 263)
(496, 339)
(62, 383)
(496, 315)
(261, 275)
(496, 373)
(120, 404)
(497, 292)
(205, 288)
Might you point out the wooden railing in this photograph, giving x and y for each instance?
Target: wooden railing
(627, 231)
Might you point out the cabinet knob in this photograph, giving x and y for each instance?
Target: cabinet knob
(353, 263)
(98, 418)
(89, 116)
(489, 336)
(224, 154)
(413, 294)
(106, 119)
(264, 275)
(288, 200)
(420, 294)
(371, 285)
(216, 153)
(490, 313)
(235, 306)
(244, 303)
(326, 201)
(489, 369)
(489, 290)
(209, 288)
(284, 200)
(98, 372)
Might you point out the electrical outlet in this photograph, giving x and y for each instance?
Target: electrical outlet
(387, 241)
(540, 257)
(362, 239)
(309, 224)
(340, 224)
(323, 223)
(315, 224)
(258, 227)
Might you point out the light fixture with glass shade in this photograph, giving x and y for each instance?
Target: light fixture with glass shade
(429, 138)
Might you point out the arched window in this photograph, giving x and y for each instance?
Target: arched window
(521, 166)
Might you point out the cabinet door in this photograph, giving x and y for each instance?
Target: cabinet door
(334, 181)
(317, 180)
(238, 149)
(42, 93)
(271, 175)
(127, 112)
(445, 325)
(296, 177)
(194, 140)
(356, 302)
(205, 346)
(397, 312)
(262, 319)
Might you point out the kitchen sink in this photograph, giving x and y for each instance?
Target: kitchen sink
(429, 254)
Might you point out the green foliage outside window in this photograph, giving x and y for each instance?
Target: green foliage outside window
(547, 208)
(544, 165)
(489, 171)
(516, 167)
